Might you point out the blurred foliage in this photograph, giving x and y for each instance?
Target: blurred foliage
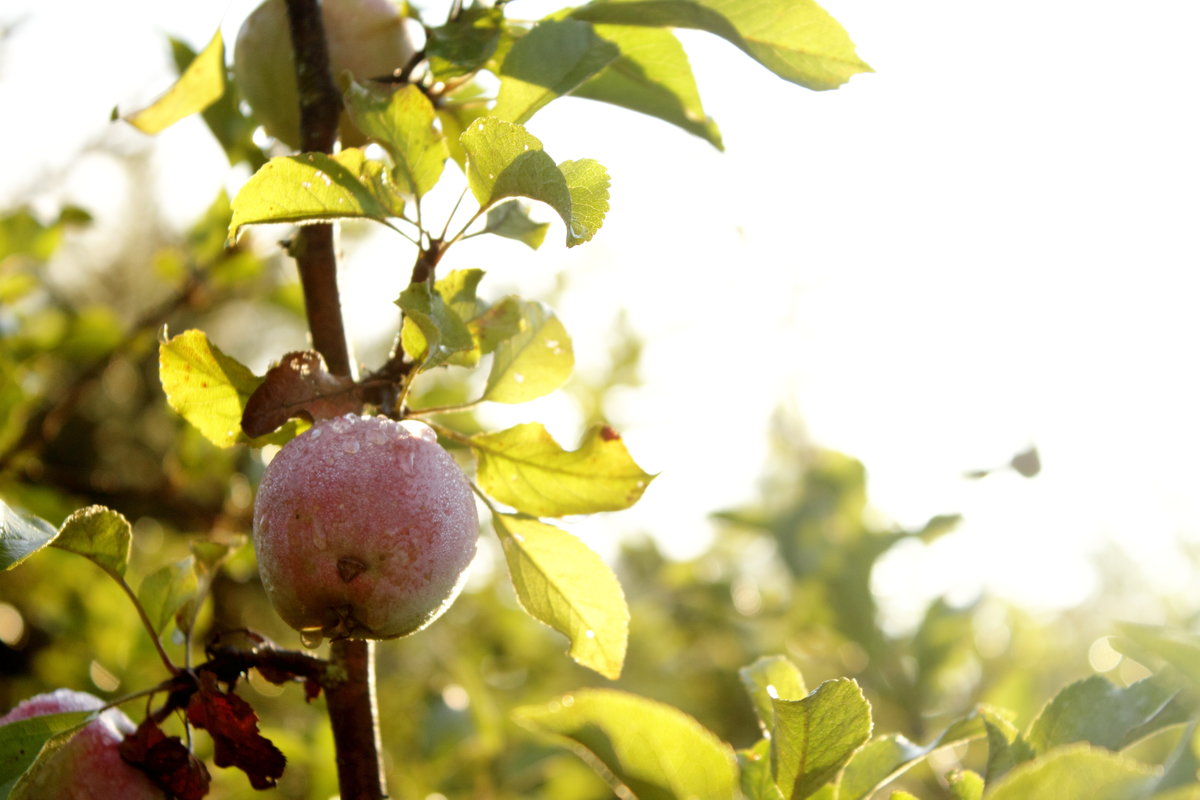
(84, 421)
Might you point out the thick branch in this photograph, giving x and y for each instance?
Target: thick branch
(313, 248)
(352, 712)
(351, 703)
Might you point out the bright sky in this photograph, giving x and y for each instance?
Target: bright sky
(988, 243)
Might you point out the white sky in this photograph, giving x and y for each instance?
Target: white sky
(989, 242)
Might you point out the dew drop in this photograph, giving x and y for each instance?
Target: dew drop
(350, 446)
(306, 184)
(311, 638)
(518, 377)
(315, 434)
(589, 633)
(318, 534)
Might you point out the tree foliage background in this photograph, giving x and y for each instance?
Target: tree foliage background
(83, 420)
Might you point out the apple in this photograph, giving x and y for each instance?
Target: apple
(368, 38)
(89, 766)
(363, 527)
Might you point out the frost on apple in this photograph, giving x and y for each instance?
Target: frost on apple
(89, 766)
(364, 527)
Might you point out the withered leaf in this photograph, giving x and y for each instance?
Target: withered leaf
(167, 761)
(233, 726)
(299, 386)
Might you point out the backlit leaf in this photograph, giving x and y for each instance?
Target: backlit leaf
(464, 45)
(21, 535)
(1096, 711)
(798, 40)
(652, 76)
(768, 678)
(648, 748)
(204, 386)
(432, 332)
(1076, 772)
(315, 187)
(98, 534)
(402, 121)
(754, 764)
(548, 62)
(200, 85)
(166, 590)
(815, 737)
(1151, 644)
(534, 362)
(563, 583)
(885, 757)
(511, 220)
(503, 160)
(525, 468)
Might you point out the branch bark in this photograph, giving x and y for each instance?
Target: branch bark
(351, 704)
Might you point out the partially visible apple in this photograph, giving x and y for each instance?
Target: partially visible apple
(369, 38)
(89, 766)
(363, 527)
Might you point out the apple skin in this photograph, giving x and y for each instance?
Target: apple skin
(364, 527)
(89, 766)
(369, 38)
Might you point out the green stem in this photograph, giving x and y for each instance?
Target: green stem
(162, 654)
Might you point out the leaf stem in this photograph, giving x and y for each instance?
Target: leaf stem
(454, 409)
(137, 604)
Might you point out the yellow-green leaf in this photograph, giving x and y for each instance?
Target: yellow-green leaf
(771, 677)
(534, 362)
(525, 468)
(504, 160)
(200, 85)
(652, 76)
(815, 736)
(99, 534)
(167, 589)
(550, 61)
(315, 187)
(27, 744)
(797, 40)
(204, 386)
(402, 120)
(1076, 772)
(643, 748)
(563, 583)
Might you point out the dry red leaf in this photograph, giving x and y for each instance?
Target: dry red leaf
(299, 386)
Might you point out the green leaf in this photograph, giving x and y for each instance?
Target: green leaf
(882, 759)
(1076, 772)
(1153, 644)
(464, 45)
(534, 362)
(550, 61)
(25, 742)
(649, 749)
(1006, 746)
(99, 534)
(561, 582)
(798, 40)
(436, 333)
(315, 187)
(1094, 710)
(587, 181)
(403, 122)
(816, 736)
(503, 160)
(496, 325)
(652, 76)
(965, 785)
(200, 85)
(204, 386)
(769, 678)
(511, 220)
(754, 764)
(167, 589)
(525, 468)
(21, 535)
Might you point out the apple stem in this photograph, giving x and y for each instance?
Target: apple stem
(351, 703)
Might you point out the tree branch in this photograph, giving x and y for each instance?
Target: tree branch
(351, 703)
(313, 247)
